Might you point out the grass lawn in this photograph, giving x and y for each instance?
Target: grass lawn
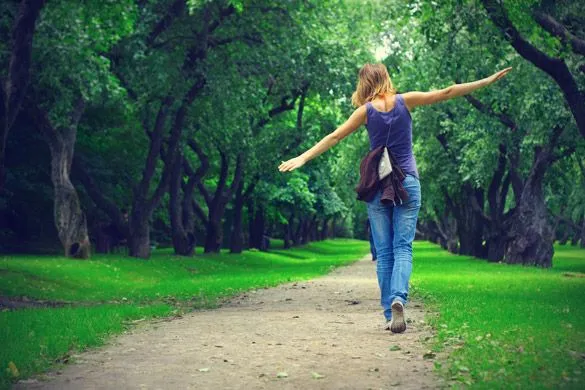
(505, 326)
(105, 294)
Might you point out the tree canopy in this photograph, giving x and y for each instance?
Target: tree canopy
(162, 122)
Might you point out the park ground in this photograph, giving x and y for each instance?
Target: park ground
(483, 326)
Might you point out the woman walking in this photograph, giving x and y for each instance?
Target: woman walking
(386, 115)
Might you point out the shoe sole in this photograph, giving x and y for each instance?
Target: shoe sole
(398, 324)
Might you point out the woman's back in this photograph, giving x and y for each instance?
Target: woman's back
(393, 128)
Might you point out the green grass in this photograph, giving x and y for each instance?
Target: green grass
(109, 291)
(505, 326)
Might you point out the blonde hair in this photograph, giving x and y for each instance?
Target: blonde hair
(373, 80)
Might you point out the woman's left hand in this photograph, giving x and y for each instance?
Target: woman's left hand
(291, 164)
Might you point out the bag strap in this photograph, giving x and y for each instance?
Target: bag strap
(388, 136)
(391, 119)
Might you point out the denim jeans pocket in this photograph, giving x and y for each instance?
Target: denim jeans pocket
(412, 185)
(409, 178)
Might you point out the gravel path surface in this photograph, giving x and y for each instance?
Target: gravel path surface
(325, 333)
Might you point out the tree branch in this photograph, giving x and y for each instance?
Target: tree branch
(155, 146)
(175, 10)
(200, 213)
(554, 67)
(20, 60)
(551, 25)
(96, 195)
(43, 124)
(483, 108)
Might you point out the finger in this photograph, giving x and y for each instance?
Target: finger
(503, 72)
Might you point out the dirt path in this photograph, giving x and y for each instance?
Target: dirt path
(321, 334)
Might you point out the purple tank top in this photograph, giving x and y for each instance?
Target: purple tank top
(399, 123)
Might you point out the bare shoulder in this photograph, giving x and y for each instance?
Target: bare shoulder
(416, 98)
(359, 114)
(413, 99)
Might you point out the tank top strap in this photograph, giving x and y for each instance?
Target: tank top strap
(368, 111)
(399, 99)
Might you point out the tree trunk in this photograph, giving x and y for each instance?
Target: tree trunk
(530, 237)
(470, 223)
(237, 238)
(107, 235)
(251, 214)
(324, 228)
(315, 230)
(296, 238)
(333, 230)
(214, 235)
(139, 238)
(69, 219)
(216, 204)
(257, 228)
(175, 210)
(13, 92)
(287, 236)
(583, 234)
(181, 211)
(575, 239)
(496, 247)
(305, 230)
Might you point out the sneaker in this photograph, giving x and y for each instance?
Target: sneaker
(397, 324)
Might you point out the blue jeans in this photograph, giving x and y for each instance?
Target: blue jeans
(372, 247)
(393, 229)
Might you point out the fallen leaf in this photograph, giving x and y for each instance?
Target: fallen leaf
(206, 369)
(429, 355)
(317, 375)
(13, 370)
(395, 348)
(282, 375)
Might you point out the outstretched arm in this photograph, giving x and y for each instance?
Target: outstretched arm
(415, 98)
(356, 119)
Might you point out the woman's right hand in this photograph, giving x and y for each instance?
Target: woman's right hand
(498, 75)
